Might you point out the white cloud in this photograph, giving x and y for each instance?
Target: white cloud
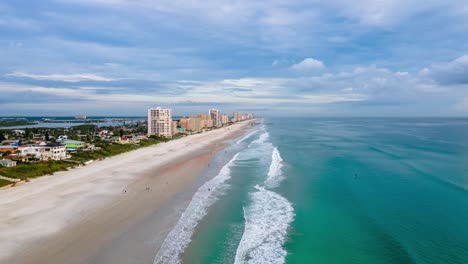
(308, 64)
(61, 77)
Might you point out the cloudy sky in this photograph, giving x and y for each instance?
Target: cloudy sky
(318, 58)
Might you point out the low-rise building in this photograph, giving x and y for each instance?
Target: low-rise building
(7, 163)
(8, 149)
(54, 151)
(125, 140)
(73, 145)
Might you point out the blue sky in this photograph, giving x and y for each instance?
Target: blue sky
(339, 58)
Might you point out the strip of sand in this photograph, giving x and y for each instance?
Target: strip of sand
(114, 211)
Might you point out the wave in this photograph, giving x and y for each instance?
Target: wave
(246, 137)
(267, 220)
(180, 236)
(262, 139)
(274, 173)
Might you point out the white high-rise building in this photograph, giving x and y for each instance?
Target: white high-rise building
(216, 117)
(160, 122)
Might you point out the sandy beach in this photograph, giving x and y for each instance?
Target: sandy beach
(118, 210)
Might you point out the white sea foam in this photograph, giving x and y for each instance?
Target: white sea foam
(274, 173)
(180, 236)
(267, 220)
(246, 136)
(262, 139)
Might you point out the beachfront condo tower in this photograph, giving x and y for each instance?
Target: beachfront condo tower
(216, 117)
(160, 122)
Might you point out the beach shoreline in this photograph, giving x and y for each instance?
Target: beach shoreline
(118, 210)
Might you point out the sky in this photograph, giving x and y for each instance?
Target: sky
(285, 58)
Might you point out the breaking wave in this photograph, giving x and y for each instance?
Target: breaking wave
(274, 173)
(180, 236)
(262, 139)
(267, 220)
(246, 137)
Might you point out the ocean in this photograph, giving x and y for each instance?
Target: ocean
(332, 190)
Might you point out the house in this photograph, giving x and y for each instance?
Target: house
(53, 151)
(138, 138)
(62, 138)
(7, 163)
(18, 131)
(37, 140)
(125, 140)
(73, 145)
(103, 133)
(8, 149)
(10, 142)
(90, 147)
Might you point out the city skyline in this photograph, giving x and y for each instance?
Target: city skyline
(117, 57)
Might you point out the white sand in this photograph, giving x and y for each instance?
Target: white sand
(49, 204)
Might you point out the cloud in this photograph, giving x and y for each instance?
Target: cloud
(452, 73)
(308, 64)
(61, 77)
(235, 53)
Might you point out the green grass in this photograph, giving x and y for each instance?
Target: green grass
(32, 170)
(4, 182)
(111, 150)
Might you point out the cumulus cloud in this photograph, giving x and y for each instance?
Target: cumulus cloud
(308, 64)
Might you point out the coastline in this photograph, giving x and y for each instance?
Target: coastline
(118, 210)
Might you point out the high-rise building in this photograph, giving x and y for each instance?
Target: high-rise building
(184, 122)
(224, 119)
(237, 116)
(160, 122)
(205, 121)
(195, 124)
(216, 117)
(174, 128)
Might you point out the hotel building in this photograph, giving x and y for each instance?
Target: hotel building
(160, 122)
(216, 117)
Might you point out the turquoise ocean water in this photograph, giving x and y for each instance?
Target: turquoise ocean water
(333, 191)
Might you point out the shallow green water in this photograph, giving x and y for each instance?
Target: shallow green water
(362, 190)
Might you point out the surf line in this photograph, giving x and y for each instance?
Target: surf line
(267, 220)
(180, 236)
